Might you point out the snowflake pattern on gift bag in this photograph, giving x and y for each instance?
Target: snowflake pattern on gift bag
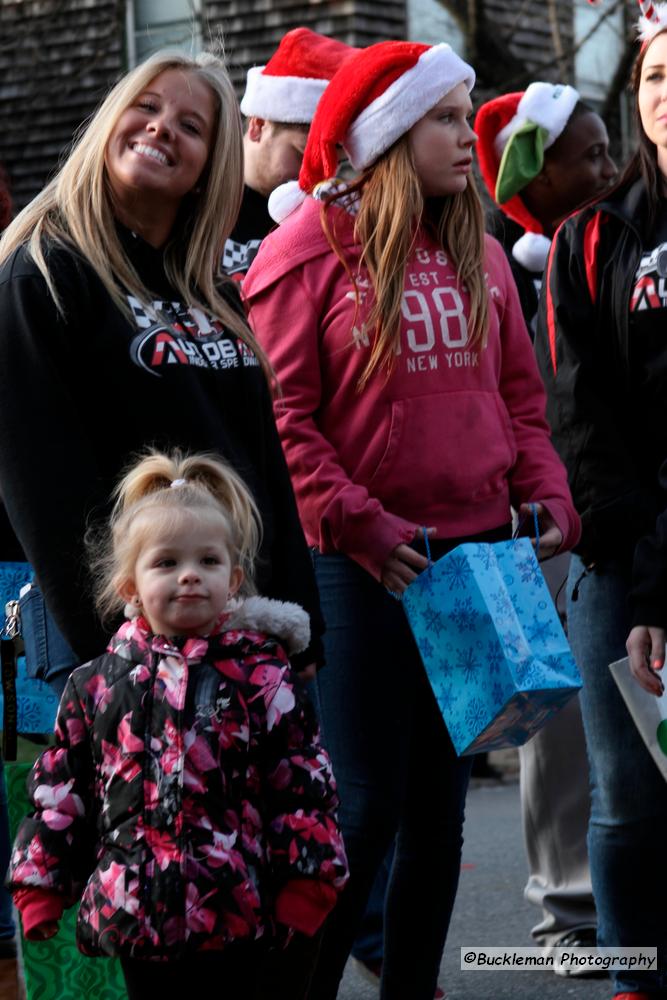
(464, 615)
(492, 644)
(457, 573)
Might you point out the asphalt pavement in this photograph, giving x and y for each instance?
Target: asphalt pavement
(491, 911)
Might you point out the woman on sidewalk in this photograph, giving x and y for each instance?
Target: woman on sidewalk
(601, 349)
(409, 399)
(119, 332)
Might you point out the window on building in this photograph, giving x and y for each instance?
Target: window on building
(160, 24)
(429, 22)
(601, 37)
(602, 32)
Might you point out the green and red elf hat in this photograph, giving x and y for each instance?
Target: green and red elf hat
(514, 130)
(375, 97)
(652, 21)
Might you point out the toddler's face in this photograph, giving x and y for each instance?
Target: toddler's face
(184, 578)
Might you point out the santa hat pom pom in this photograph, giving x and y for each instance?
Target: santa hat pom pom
(285, 199)
(531, 251)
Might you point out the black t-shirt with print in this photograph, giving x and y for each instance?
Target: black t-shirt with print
(82, 394)
(252, 225)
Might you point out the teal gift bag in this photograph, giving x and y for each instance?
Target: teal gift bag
(492, 643)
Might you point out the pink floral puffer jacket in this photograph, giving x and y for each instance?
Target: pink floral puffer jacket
(186, 789)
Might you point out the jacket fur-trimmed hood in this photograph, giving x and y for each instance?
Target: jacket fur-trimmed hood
(282, 619)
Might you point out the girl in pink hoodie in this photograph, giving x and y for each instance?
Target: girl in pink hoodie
(409, 398)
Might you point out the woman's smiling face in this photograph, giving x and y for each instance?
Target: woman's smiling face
(160, 145)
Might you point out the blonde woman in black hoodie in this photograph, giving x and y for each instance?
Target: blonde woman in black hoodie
(118, 331)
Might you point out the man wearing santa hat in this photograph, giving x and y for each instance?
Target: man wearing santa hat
(279, 103)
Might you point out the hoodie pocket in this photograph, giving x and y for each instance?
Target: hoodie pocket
(444, 448)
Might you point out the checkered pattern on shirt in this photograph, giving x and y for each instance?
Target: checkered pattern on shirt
(237, 257)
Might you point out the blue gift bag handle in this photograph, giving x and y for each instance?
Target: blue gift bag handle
(427, 544)
(533, 511)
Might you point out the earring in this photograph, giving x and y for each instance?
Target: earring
(136, 600)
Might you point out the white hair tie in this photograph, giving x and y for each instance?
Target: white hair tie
(177, 482)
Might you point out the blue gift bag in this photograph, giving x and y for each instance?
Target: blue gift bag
(492, 644)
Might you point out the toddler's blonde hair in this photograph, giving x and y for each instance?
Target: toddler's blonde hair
(208, 487)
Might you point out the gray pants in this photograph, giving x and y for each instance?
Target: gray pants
(555, 805)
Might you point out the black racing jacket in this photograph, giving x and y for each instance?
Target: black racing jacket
(606, 387)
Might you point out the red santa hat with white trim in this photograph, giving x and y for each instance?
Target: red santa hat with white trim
(513, 132)
(289, 87)
(374, 98)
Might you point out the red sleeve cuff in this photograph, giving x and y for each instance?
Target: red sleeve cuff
(304, 904)
(38, 906)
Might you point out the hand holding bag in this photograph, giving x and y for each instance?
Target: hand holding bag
(491, 642)
(648, 712)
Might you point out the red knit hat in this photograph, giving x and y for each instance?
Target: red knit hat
(289, 87)
(374, 99)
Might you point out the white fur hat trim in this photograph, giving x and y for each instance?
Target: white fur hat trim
(437, 71)
(546, 104)
(288, 99)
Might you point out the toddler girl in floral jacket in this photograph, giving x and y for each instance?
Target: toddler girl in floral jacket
(187, 801)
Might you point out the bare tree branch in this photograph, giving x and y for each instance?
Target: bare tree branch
(492, 54)
(537, 68)
(557, 38)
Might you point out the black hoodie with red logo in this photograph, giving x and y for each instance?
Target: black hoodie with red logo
(82, 393)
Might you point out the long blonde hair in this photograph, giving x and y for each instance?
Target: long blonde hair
(390, 209)
(75, 209)
(205, 485)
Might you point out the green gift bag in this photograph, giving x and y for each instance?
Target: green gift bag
(56, 969)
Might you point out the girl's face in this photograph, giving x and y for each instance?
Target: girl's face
(160, 145)
(442, 142)
(184, 577)
(652, 97)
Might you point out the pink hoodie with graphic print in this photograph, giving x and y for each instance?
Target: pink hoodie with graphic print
(451, 438)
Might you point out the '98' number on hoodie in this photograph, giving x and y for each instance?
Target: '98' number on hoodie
(447, 305)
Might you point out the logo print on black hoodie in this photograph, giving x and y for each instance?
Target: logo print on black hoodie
(169, 334)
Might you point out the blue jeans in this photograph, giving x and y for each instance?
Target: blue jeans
(6, 921)
(367, 945)
(398, 776)
(628, 794)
